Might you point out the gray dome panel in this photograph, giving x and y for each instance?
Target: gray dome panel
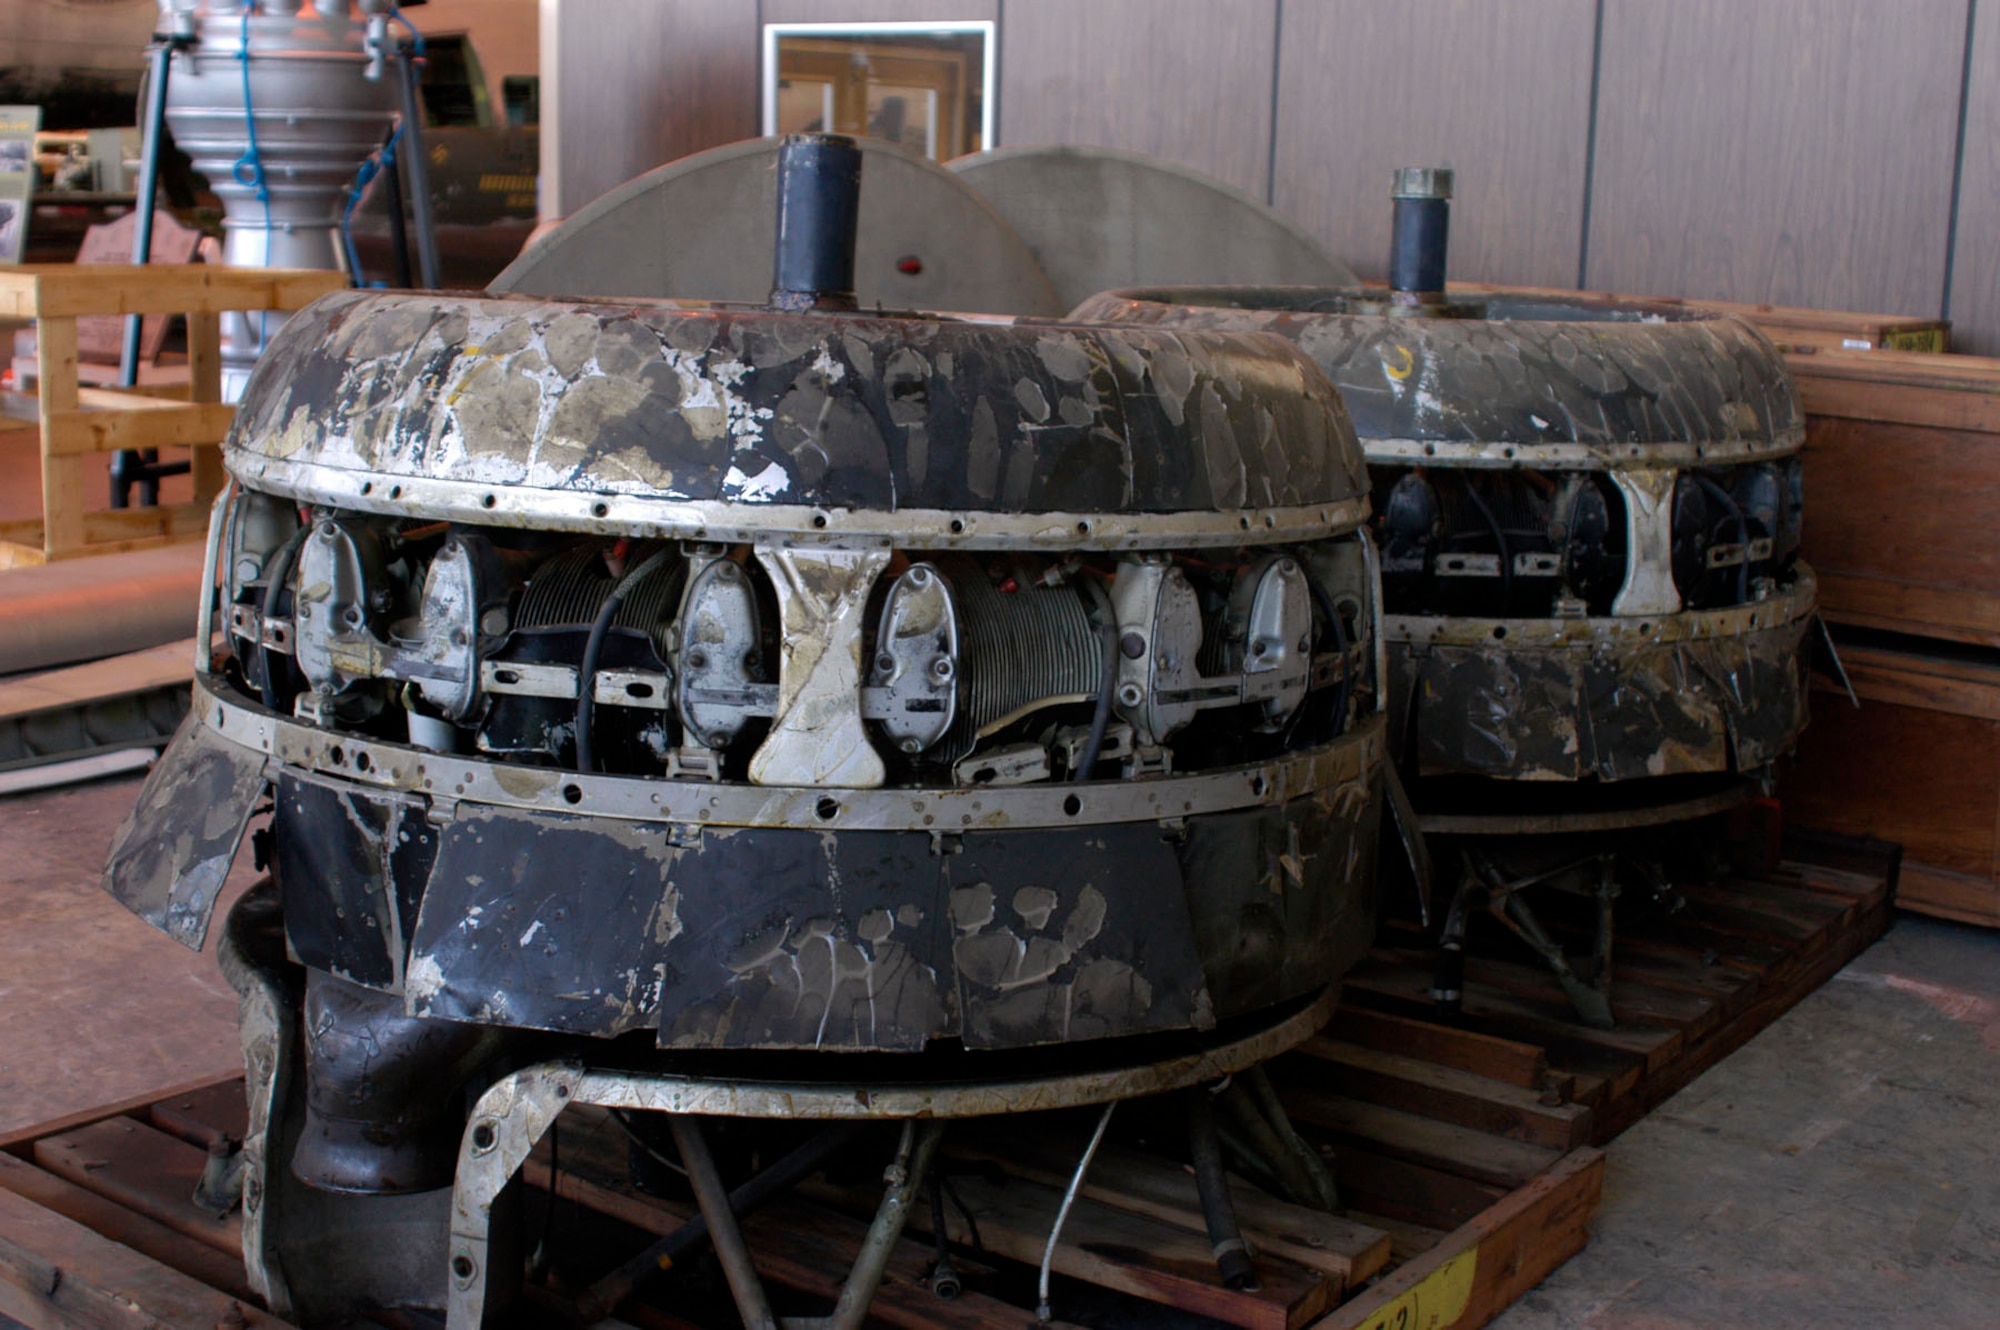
(1097, 219)
(704, 227)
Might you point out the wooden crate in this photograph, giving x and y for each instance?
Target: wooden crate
(76, 421)
(1791, 328)
(1917, 763)
(1902, 479)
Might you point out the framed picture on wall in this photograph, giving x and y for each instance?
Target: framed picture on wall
(17, 177)
(926, 86)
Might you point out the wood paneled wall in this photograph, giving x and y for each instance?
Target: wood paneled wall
(1790, 152)
(1187, 80)
(628, 85)
(1975, 253)
(1795, 151)
(1498, 92)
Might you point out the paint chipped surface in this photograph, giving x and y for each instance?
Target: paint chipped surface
(1648, 708)
(1528, 373)
(173, 851)
(675, 403)
(863, 940)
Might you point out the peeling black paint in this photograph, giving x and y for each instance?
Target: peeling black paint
(171, 855)
(1540, 371)
(707, 404)
(1570, 712)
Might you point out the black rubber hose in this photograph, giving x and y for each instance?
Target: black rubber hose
(1232, 1254)
(1742, 532)
(586, 677)
(275, 574)
(1100, 719)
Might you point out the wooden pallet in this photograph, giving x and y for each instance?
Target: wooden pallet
(77, 421)
(1466, 1152)
(1902, 453)
(1457, 1221)
(1686, 990)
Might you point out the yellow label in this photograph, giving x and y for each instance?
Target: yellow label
(1915, 339)
(1437, 1301)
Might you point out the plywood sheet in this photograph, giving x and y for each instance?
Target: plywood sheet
(1500, 93)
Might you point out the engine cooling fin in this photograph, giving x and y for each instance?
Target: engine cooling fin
(567, 590)
(1024, 648)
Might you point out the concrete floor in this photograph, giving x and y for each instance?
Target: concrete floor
(95, 1006)
(1839, 1171)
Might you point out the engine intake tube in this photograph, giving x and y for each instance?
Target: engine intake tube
(819, 203)
(1420, 231)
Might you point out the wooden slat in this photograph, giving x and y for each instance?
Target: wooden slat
(802, 1246)
(143, 1169)
(1969, 688)
(56, 1274)
(1963, 897)
(15, 553)
(1396, 1188)
(1524, 1065)
(66, 290)
(62, 480)
(1131, 1254)
(1787, 984)
(1956, 614)
(1142, 1184)
(1928, 400)
(157, 425)
(199, 1116)
(1459, 1150)
(1446, 1093)
(204, 334)
(152, 398)
(1485, 1266)
(1549, 1021)
(18, 1141)
(217, 1269)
